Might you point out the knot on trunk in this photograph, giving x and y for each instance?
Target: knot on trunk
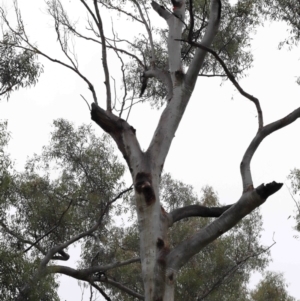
(143, 185)
(264, 191)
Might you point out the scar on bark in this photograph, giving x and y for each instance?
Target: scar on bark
(176, 4)
(179, 75)
(143, 185)
(144, 82)
(266, 190)
(164, 250)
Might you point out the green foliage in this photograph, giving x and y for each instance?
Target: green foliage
(67, 189)
(271, 288)
(232, 43)
(294, 177)
(287, 11)
(18, 66)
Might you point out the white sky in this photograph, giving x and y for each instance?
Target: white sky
(209, 144)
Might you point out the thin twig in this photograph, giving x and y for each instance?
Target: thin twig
(233, 80)
(104, 57)
(86, 102)
(297, 204)
(52, 229)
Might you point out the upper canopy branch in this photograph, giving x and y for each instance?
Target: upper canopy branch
(233, 80)
(260, 136)
(149, 31)
(196, 210)
(21, 34)
(161, 10)
(210, 33)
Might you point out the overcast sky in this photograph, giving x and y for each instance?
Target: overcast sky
(209, 144)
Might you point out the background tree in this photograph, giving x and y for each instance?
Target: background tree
(295, 181)
(18, 67)
(272, 287)
(160, 261)
(69, 189)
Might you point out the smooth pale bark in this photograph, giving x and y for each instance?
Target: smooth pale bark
(160, 264)
(146, 167)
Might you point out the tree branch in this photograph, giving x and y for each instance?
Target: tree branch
(210, 33)
(161, 10)
(148, 31)
(21, 239)
(250, 200)
(196, 210)
(104, 57)
(23, 37)
(102, 292)
(121, 132)
(164, 77)
(233, 80)
(83, 274)
(124, 289)
(232, 270)
(260, 136)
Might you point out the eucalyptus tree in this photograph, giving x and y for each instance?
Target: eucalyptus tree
(201, 39)
(294, 177)
(18, 67)
(61, 192)
(65, 194)
(271, 288)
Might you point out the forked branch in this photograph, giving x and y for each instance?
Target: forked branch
(260, 136)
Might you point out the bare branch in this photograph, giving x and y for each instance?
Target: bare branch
(118, 49)
(55, 9)
(196, 210)
(104, 57)
(124, 289)
(233, 80)
(110, 6)
(82, 274)
(123, 74)
(148, 31)
(260, 136)
(101, 291)
(210, 33)
(86, 102)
